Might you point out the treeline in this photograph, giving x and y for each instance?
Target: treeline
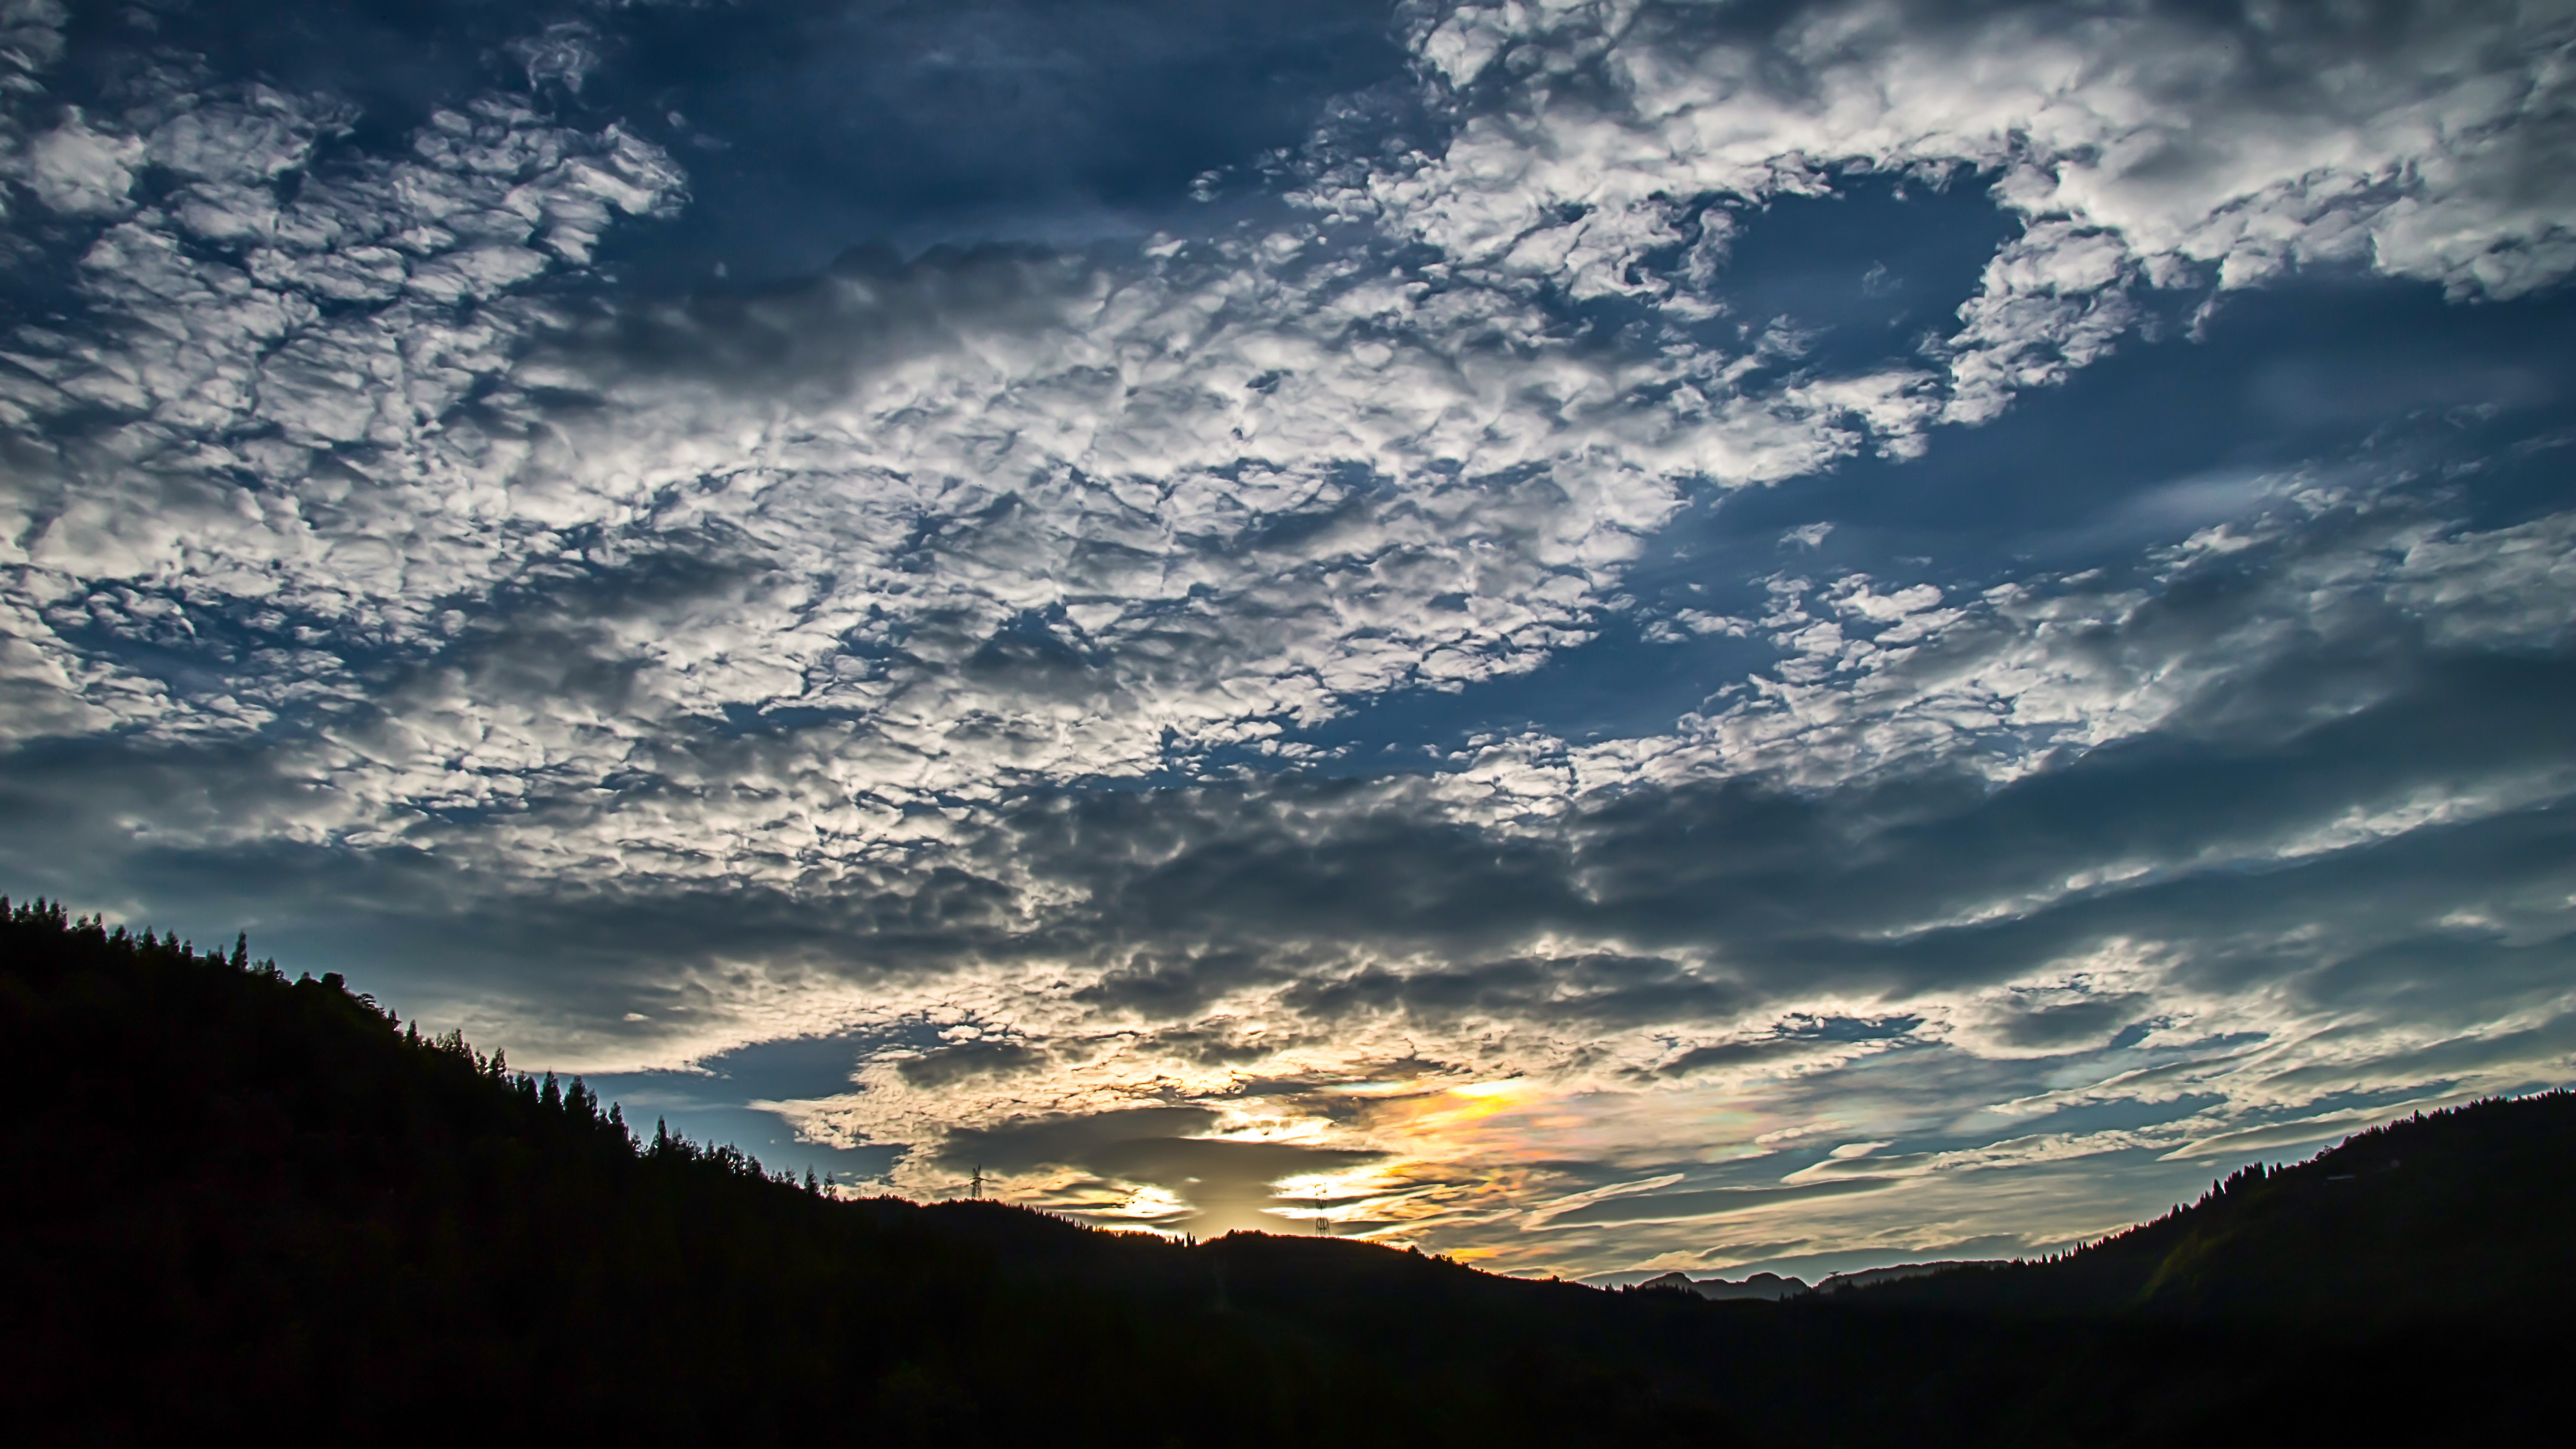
(2458, 1216)
(240, 1199)
(239, 1204)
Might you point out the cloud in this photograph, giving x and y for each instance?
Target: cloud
(1611, 990)
(980, 1058)
(1129, 692)
(1228, 1183)
(1863, 1162)
(1543, 1211)
(1754, 1052)
(1342, 917)
(2255, 1140)
(2066, 1020)
(2146, 145)
(1271, 556)
(1022, 1144)
(1691, 1206)
(78, 172)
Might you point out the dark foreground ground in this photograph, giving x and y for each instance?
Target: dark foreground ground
(240, 1205)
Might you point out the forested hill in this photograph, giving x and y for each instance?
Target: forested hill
(2462, 1215)
(243, 1203)
(240, 1197)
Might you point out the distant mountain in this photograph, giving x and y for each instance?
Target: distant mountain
(238, 1203)
(1771, 1287)
(1869, 1276)
(1768, 1286)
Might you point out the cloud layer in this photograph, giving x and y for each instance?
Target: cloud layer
(1319, 700)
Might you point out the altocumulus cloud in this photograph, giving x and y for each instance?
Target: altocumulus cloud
(1399, 660)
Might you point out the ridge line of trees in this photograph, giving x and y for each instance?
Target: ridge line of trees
(572, 1103)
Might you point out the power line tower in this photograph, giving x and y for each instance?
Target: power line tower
(975, 1185)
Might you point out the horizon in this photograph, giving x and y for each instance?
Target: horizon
(574, 1090)
(1601, 638)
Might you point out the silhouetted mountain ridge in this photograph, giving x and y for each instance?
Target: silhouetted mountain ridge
(257, 1197)
(2458, 1214)
(1769, 1286)
(238, 1201)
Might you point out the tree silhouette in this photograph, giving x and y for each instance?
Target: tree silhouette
(238, 1199)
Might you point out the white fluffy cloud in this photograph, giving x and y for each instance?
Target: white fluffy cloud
(1018, 519)
(2144, 144)
(879, 594)
(1048, 519)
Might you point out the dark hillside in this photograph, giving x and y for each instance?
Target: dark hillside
(2458, 1217)
(239, 1202)
(239, 1198)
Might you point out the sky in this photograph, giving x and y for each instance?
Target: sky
(1601, 636)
